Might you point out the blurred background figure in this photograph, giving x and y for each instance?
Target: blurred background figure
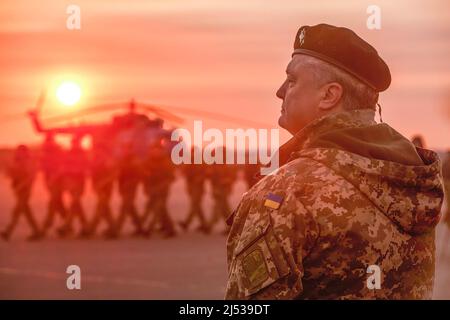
(418, 141)
(51, 163)
(159, 173)
(103, 174)
(128, 180)
(149, 176)
(74, 171)
(195, 176)
(250, 173)
(222, 177)
(22, 173)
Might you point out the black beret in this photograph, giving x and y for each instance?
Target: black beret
(343, 48)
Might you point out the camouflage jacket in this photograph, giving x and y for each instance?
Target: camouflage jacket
(446, 168)
(353, 194)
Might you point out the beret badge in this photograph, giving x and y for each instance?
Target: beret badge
(301, 37)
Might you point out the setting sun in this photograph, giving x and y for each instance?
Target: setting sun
(68, 93)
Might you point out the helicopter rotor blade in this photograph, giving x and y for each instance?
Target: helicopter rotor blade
(162, 113)
(217, 116)
(87, 111)
(159, 112)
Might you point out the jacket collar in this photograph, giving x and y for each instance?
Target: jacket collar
(306, 137)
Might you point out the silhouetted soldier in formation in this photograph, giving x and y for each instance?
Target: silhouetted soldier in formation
(159, 174)
(195, 175)
(222, 177)
(149, 175)
(52, 167)
(22, 173)
(251, 173)
(103, 173)
(128, 179)
(74, 171)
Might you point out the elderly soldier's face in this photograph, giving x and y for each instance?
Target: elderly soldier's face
(304, 100)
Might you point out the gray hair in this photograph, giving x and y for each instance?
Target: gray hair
(356, 94)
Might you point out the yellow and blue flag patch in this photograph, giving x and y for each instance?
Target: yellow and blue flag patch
(273, 201)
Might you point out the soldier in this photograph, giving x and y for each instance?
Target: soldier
(222, 178)
(74, 171)
(52, 167)
(22, 173)
(159, 173)
(351, 195)
(195, 175)
(128, 180)
(103, 174)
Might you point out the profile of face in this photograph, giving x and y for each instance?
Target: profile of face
(304, 99)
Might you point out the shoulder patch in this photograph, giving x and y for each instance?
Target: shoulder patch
(255, 268)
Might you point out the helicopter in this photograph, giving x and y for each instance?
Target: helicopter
(129, 129)
(134, 126)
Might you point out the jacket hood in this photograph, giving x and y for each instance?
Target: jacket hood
(401, 180)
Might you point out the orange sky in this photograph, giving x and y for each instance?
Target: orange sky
(224, 56)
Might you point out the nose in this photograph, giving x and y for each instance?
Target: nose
(282, 90)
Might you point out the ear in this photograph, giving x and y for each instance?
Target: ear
(331, 94)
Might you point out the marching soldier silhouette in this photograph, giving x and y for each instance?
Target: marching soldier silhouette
(159, 173)
(195, 175)
(52, 167)
(74, 170)
(250, 174)
(222, 177)
(128, 180)
(103, 173)
(149, 175)
(22, 173)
